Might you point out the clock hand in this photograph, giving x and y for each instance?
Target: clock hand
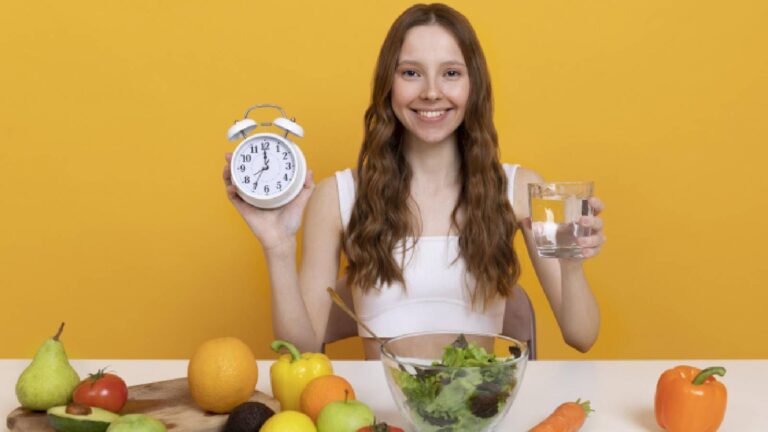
(261, 171)
(258, 176)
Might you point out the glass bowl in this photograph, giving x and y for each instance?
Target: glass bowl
(447, 381)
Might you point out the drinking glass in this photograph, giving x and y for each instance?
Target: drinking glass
(556, 208)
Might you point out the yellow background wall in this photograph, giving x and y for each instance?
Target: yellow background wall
(113, 115)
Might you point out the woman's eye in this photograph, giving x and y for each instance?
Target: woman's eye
(409, 73)
(453, 73)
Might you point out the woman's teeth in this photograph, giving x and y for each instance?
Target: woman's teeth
(431, 114)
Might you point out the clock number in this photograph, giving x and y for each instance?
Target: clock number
(241, 168)
(246, 157)
(254, 148)
(285, 177)
(278, 148)
(266, 188)
(279, 186)
(285, 156)
(247, 179)
(288, 166)
(265, 146)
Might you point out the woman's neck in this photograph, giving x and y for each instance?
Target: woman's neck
(433, 164)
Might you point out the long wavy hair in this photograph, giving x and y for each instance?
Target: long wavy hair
(381, 220)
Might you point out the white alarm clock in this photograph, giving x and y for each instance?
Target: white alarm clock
(268, 169)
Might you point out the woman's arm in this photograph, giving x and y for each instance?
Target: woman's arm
(320, 250)
(300, 304)
(563, 280)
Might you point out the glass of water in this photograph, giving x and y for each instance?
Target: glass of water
(555, 212)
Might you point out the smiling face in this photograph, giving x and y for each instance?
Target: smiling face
(431, 84)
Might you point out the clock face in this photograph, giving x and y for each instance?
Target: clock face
(264, 166)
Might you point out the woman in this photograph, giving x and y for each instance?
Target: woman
(428, 219)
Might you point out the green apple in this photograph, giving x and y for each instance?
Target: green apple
(344, 416)
(136, 423)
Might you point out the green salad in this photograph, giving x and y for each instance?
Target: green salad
(463, 392)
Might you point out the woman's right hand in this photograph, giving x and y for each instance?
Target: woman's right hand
(273, 227)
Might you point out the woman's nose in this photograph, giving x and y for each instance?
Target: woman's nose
(431, 90)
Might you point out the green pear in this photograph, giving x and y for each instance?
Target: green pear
(49, 380)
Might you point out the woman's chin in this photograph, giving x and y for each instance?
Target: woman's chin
(433, 137)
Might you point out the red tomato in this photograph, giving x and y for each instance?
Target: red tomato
(380, 427)
(103, 390)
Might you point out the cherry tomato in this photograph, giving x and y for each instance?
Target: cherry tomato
(103, 390)
(380, 427)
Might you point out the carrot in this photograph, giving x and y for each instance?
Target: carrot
(568, 417)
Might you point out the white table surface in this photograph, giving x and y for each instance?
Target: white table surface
(622, 392)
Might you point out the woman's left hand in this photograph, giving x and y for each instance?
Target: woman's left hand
(594, 242)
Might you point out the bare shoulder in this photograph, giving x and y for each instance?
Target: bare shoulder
(523, 178)
(327, 189)
(323, 207)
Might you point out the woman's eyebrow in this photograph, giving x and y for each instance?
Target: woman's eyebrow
(445, 63)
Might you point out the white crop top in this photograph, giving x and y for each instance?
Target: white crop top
(436, 298)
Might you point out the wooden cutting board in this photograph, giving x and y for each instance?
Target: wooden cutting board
(167, 401)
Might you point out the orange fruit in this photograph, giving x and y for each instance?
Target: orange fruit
(222, 374)
(323, 390)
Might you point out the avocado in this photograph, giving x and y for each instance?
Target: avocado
(248, 417)
(69, 420)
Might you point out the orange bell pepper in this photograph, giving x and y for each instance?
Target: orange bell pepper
(690, 400)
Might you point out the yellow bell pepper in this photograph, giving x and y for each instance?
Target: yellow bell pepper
(293, 371)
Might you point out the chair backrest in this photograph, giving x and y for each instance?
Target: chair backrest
(519, 319)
